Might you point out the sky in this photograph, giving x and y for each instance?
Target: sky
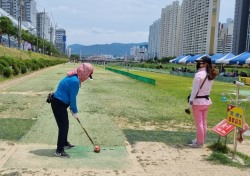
(89, 22)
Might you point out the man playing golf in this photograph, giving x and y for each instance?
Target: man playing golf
(64, 97)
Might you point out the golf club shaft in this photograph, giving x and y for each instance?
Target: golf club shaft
(85, 131)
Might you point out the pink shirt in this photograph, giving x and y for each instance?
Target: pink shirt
(205, 90)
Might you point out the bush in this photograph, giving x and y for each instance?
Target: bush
(23, 68)
(14, 66)
(16, 69)
(9, 60)
(27, 64)
(7, 72)
(34, 67)
(4, 62)
(38, 63)
(1, 68)
(31, 65)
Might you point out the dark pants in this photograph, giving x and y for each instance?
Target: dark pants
(61, 115)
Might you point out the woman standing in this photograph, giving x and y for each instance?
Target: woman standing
(64, 97)
(200, 100)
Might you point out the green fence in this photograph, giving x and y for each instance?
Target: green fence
(137, 77)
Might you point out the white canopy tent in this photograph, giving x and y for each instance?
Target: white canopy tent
(248, 60)
(183, 60)
(227, 56)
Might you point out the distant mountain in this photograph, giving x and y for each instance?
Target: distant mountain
(115, 49)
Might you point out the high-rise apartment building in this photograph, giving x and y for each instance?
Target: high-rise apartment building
(191, 28)
(29, 11)
(225, 37)
(28, 8)
(170, 30)
(11, 7)
(241, 38)
(60, 40)
(43, 26)
(139, 52)
(200, 26)
(154, 39)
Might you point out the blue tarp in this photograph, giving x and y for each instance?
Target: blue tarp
(239, 59)
(224, 58)
(184, 59)
(216, 57)
(243, 58)
(192, 59)
(176, 59)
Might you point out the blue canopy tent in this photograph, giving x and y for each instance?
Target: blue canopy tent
(216, 57)
(176, 59)
(183, 60)
(193, 58)
(248, 60)
(239, 59)
(226, 57)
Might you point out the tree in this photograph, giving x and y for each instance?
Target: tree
(74, 57)
(7, 27)
(1, 34)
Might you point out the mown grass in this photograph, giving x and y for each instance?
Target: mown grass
(168, 137)
(179, 87)
(132, 104)
(14, 129)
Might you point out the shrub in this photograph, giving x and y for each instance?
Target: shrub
(27, 64)
(41, 63)
(16, 69)
(7, 72)
(4, 62)
(37, 63)
(7, 59)
(30, 65)
(1, 68)
(23, 68)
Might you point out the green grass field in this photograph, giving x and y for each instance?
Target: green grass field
(113, 107)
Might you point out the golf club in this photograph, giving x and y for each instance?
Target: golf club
(97, 148)
(85, 131)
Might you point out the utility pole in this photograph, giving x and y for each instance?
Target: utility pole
(43, 28)
(54, 31)
(20, 24)
(36, 40)
(51, 38)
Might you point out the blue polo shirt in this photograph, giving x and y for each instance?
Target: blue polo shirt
(67, 91)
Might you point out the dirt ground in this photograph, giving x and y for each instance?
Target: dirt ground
(140, 159)
(143, 159)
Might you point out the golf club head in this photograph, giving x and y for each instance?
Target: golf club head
(188, 111)
(97, 149)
